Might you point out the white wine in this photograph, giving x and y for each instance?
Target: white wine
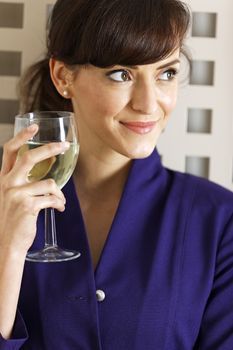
(59, 168)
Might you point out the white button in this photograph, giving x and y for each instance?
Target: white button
(100, 295)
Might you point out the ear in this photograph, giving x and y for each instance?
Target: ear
(60, 76)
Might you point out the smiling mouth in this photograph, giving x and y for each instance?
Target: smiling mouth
(140, 128)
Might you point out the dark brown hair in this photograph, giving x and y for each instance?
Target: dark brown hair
(103, 33)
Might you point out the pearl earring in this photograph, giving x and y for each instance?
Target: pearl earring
(65, 93)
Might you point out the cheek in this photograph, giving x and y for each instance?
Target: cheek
(110, 106)
(101, 101)
(169, 101)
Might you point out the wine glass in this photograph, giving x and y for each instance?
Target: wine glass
(53, 126)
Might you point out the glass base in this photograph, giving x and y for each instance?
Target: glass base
(52, 254)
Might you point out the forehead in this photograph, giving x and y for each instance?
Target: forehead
(173, 58)
(174, 55)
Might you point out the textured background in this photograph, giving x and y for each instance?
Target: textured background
(199, 138)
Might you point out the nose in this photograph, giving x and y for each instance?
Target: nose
(145, 98)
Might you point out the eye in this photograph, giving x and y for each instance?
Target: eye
(119, 75)
(168, 74)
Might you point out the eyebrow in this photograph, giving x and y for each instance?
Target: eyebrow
(160, 67)
(169, 63)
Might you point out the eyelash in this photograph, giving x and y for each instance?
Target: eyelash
(122, 71)
(172, 71)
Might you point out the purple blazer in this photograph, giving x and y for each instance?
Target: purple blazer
(164, 279)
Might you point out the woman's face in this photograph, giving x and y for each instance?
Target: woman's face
(124, 109)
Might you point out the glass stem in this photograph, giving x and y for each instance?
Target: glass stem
(50, 228)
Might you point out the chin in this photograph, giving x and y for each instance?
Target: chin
(139, 152)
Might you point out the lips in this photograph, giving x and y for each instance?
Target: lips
(140, 127)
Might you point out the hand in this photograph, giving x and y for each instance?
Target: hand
(21, 201)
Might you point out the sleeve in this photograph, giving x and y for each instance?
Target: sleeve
(19, 335)
(217, 324)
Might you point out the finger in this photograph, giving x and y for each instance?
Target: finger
(12, 146)
(33, 205)
(43, 187)
(30, 158)
(43, 202)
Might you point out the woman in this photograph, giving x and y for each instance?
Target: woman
(156, 265)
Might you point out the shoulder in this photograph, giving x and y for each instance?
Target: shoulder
(205, 194)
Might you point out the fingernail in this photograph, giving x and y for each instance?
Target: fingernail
(65, 145)
(32, 127)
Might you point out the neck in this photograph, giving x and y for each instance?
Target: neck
(96, 176)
